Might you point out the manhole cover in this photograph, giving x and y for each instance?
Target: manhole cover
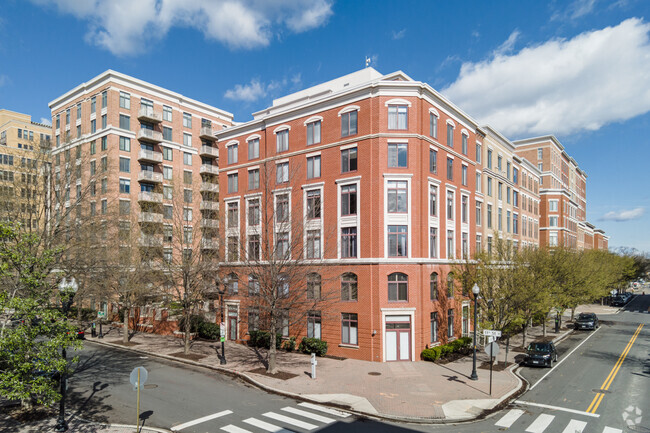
(374, 373)
(150, 386)
(601, 391)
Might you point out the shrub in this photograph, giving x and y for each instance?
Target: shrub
(263, 339)
(209, 331)
(290, 344)
(313, 345)
(434, 353)
(430, 354)
(195, 323)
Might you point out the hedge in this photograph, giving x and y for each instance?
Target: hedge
(263, 339)
(209, 331)
(434, 353)
(313, 345)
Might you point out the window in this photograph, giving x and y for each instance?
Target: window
(233, 154)
(313, 204)
(515, 198)
(508, 195)
(433, 242)
(348, 200)
(125, 144)
(125, 186)
(433, 161)
(540, 166)
(313, 132)
(450, 205)
(187, 177)
(253, 285)
(187, 139)
(489, 186)
(349, 160)
(500, 219)
(464, 144)
(397, 192)
(348, 242)
(167, 192)
(433, 125)
(349, 287)
(515, 223)
(187, 214)
(187, 158)
(313, 167)
(433, 286)
(168, 212)
(552, 205)
(187, 195)
(489, 158)
(515, 175)
(433, 318)
(478, 153)
(253, 212)
(508, 166)
(397, 117)
(450, 285)
(67, 116)
(167, 173)
(552, 239)
(479, 186)
(463, 176)
(104, 121)
(500, 163)
(254, 148)
(187, 120)
(233, 185)
(552, 221)
(464, 209)
(233, 214)
(104, 207)
(450, 244)
(313, 244)
(500, 191)
(450, 169)
(450, 135)
(349, 324)
(104, 99)
(104, 162)
(167, 153)
(433, 200)
(282, 172)
(253, 247)
(125, 207)
(125, 122)
(313, 324)
(282, 245)
(58, 121)
(282, 208)
(93, 105)
(93, 127)
(167, 113)
(282, 141)
(167, 133)
(313, 286)
(93, 147)
(93, 208)
(397, 287)
(540, 153)
(254, 179)
(125, 100)
(450, 323)
(348, 123)
(479, 208)
(397, 241)
(397, 155)
(464, 246)
(93, 168)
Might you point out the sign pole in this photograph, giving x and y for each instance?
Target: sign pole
(137, 418)
(491, 362)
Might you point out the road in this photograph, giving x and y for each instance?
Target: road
(600, 383)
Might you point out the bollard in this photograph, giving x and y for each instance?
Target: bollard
(93, 331)
(313, 365)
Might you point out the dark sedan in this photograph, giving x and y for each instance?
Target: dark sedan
(540, 354)
(586, 321)
(618, 301)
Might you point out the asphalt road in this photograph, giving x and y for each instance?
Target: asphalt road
(600, 384)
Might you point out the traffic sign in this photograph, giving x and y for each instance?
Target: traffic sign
(491, 333)
(138, 379)
(492, 349)
(101, 314)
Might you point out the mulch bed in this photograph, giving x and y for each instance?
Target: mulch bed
(190, 356)
(35, 414)
(497, 366)
(282, 375)
(451, 358)
(338, 358)
(127, 344)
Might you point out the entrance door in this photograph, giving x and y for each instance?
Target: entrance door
(398, 338)
(232, 323)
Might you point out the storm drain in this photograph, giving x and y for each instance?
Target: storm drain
(374, 373)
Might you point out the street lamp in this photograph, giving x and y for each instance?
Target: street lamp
(221, 292)
(475, 291)
(66, 291)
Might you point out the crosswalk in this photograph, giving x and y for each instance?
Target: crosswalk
(290, 419)
(546, 421)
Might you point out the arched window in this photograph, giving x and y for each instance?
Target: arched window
(233, 284)
(313, 286)
(348, 287)
(253, 285)
(398, 287)
(434, 286)
(450, 285)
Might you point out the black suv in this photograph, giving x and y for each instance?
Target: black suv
(540, 354)
(586, 321)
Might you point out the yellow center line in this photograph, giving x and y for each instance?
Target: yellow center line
(612, 374)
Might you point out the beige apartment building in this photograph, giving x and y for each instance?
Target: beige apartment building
(24, 155)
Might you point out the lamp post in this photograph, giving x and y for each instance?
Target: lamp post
(221, 292)
(475, 291)
(67, 291)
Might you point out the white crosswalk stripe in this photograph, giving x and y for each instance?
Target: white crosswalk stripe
(289, 420)
(324, 409)
(509, 419)
(540, 423)
(612, 430)
(575, 426)
(266, 426)
(309, 415)
(234, 429)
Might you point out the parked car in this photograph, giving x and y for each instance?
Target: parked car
(586, 321)
(618, 301)
(540, 354)
(81, 334)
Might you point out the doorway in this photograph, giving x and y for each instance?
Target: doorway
(232, 322)
(398, 338)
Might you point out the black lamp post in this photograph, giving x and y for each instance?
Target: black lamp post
(221, 292)
(67, 291)
(475, 291)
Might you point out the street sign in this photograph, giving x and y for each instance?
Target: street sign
(101, 314)
(492, 349)
(222, 331)
(141, 378)
(491, 333)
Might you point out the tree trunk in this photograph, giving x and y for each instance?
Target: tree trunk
(523, 335)
(544, 326)
(272, 368)
(573, 310)
(125, 326)
(186, 335)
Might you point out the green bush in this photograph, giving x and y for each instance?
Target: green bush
(313, 345)
(195, 323)
(434, 353)
(263, 339)
(430, 354)
(209, 331)
(290, 344)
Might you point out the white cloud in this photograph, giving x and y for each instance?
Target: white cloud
(3, 80)
(46, 121)
(624, 215)
(399, 35)
(127, 27)
(507, 46)
(561, 86)
(576, 9)
(247, 92)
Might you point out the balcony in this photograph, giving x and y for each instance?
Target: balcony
(151, 241)
(209, 151)
(150, 176)
(209, 169)
(150, 217)
(209, 205)
(148, 114)
(206, 133)
(146, 155)
(209, 187)
(3, 141)
(209, 244)
(209, 223)
(150, 197)
(150, 135)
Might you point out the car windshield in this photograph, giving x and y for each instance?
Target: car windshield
(539, 347)
(584, 316)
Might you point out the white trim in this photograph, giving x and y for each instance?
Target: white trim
(309, 155)
(434, 111)
(465, 133)
(313, 119)
(253, 137)
(228, 173)
(398, 140)
(348, 109)
(281, 161)
(312, 185)
(432, 147)
(451, 122)
(255, 167)
(281, 128)
(232, 143)
(348, 179)
(397, 101)
(348, 146)
(407, 311)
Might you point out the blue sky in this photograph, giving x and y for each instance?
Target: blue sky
(579, 69)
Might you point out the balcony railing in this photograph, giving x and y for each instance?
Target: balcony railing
(206, 133)
(150, 197)
(150, 241)
(148, 114)
(209, 187)
(209, 169)
(150, 135)
(150, 217)
(209, 205)
(150, 176)
(209, 151)
(209, 244)
(150, 156)
(209, 223)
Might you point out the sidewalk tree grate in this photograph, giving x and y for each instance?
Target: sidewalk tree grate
(374, 373)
